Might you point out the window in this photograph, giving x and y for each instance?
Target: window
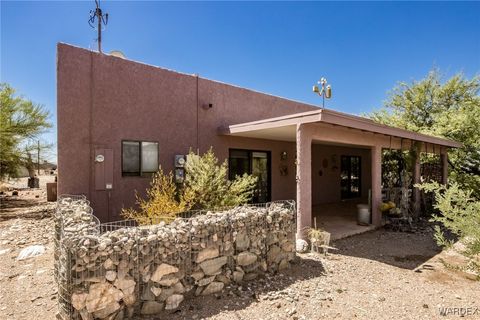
(351, 177)
(256, 163)
(139, 158)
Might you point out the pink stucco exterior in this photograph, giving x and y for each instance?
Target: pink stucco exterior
(103, 100)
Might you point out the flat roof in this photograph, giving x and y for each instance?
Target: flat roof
(282, 128)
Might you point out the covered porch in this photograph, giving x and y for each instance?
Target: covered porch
(339, 164)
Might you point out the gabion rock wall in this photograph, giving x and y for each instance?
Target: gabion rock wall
(131, 271)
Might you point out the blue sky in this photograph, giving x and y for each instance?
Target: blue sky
(283, 48)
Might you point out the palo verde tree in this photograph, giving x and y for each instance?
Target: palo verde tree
(448, 109)
(21, 121)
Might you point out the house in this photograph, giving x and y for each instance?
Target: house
(118, 120)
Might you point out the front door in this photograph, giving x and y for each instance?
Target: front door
(256, 163)
(350, 175)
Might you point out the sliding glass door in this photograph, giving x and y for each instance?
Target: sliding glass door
(256, 163)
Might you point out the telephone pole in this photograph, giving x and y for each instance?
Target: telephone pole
(38, 158)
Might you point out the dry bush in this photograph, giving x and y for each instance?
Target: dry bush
(161, 203)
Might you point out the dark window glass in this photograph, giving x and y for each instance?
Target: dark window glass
(239, 163)
(131, 158)
(350, 177)
(139, 158)
(256, 163)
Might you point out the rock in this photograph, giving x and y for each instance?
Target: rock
(156, 291)
(271, 239)
(108, 264)
(273, 254)
(151, 307)
(205, 281)
(250, 276)
(223, 278)
(173, 301)
(110, 275)
(206, 254)
(287, 246)
(238, 276)
(213, 287)
(163, 270)
(198, 275)
(283, 265)
(130, 299)
(147, 293)
(179, 288)
(101, 296)
(211, 267)
(245, 258)
(78, 300)
(127, 285)
(31, 251)
(168, 280)
(242, 242)
(301, 246)
(107, 310)
(166, 292)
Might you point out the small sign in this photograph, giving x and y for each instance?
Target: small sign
(108, 186)
(99, 158)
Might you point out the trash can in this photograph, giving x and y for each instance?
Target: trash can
(363, 216)
(33, 182)
(52, 191)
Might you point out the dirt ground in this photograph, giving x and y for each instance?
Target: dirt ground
(376, 275)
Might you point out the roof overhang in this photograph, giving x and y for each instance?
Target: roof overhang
(284, 128)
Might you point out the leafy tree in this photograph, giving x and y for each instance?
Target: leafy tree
(449, 109)
(207, 186)
(21, 120)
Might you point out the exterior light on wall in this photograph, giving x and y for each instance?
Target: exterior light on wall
(325, 92)
(283, 155)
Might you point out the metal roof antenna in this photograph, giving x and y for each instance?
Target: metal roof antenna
(102, 19)
(325, 92)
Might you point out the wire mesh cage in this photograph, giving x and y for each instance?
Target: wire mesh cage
(123, 255)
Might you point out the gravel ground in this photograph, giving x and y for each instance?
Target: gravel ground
(377, 275)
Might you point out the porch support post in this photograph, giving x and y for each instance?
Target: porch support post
(416, 179)
(304, 181)
(376, 185)
(444, 159)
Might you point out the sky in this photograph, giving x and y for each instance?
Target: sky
(281, 48)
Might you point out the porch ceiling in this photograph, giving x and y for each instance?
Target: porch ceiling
(284, 128)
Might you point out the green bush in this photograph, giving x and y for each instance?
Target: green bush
(206, 187)
(459, 212)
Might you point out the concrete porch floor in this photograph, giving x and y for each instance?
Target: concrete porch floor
(339, 219)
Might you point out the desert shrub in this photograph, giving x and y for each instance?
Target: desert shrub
(207, 185)
(459, 212)
(162, 203)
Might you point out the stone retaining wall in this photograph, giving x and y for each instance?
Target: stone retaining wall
(134, 271)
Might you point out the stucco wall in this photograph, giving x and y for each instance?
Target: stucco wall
(326, 180)
(102, 100)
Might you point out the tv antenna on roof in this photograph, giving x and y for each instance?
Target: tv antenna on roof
(102, 19)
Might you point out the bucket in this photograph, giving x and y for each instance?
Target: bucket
(363, 216)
